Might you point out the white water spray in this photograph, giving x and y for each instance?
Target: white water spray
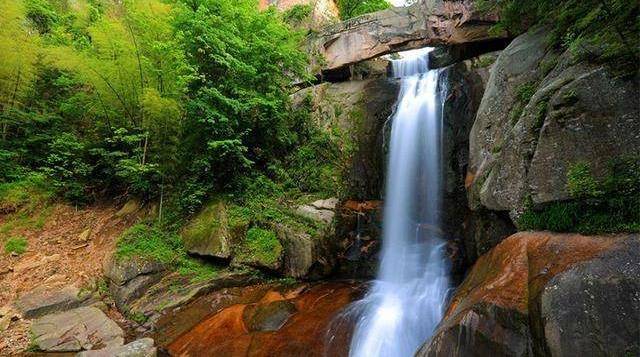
(406, 302)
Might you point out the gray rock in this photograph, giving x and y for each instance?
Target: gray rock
(270, 317)
(143, 347)
(321, 215)
(328, 204)
(122, 270)
(594, 308)
(123, 295)
(541, 114)
(84, 328)
(45, 300)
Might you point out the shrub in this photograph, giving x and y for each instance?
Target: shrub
(353, 8)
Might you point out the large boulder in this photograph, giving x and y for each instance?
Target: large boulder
(543, 112)
(209, 233)
(84, 328)
(540, 293)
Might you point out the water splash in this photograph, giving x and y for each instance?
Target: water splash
(406, 302)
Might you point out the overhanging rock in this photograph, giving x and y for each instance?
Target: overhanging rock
(428, 22)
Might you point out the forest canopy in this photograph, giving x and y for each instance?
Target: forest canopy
(131, 97)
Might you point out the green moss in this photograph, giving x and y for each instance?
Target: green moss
(485, 61)
(26, 194)
(137, 317)
(151, 242)
(261, 245)
(525, 91)
(610, 205)
(206, 223)
(17, 245)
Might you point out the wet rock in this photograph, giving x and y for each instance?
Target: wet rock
(144, 347)
(84, 328)
(299, 251)
(517, 299)
(269, 317)
(46, 299)
(305, 333)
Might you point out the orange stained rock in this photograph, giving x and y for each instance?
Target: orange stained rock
(225, 333)
(517, 269)
(361, 206)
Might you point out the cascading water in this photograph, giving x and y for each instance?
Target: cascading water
(406, 302)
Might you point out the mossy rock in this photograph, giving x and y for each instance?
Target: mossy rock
(261, 249)
(209, 233)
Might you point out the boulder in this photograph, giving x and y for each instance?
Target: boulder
(540, 293)
(84, 328)
(543, 112)
(209, 233)
(269, 317)
(130, 277)
(46, 299)
(321, 215)
(144, 347)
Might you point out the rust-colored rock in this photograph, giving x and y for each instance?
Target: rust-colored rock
(231, 331)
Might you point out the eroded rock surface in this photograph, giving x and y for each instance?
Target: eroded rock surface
(84, 328)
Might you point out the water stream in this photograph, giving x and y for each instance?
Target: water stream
(406, 302)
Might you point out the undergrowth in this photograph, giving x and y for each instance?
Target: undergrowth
(609, 205)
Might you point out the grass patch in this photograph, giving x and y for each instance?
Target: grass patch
(26, 194)
(17, 245)
(611, 205)
(261, 245)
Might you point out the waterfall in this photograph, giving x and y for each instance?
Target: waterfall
(406, 302)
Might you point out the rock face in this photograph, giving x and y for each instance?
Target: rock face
(359, 111)
(541, 114)
(84, 328)
(539, 293)
(428, 22)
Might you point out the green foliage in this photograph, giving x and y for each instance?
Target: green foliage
(261, 245)
(297, 14)
(607, 206)
(28, 193)
(596, 30)
(150, 242)
(17, 245)
(353, 8)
